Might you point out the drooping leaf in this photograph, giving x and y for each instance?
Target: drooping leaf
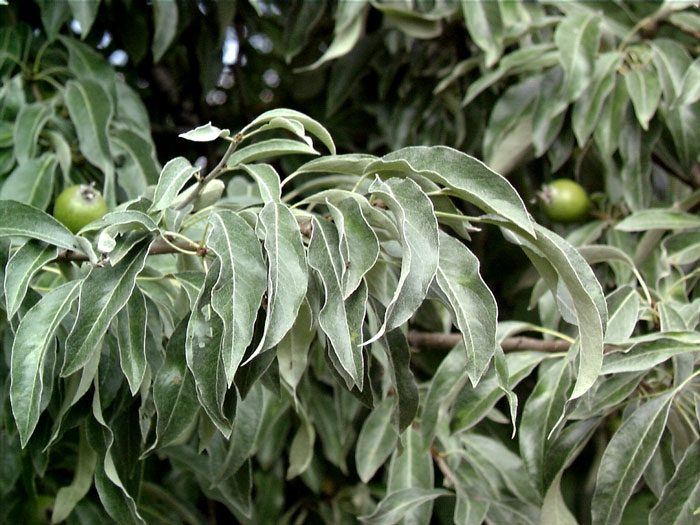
(472, 303)
(103, 294)
(240, 287)
(396, 505)
(626, 457)
(21, 268)
(172, 179)
(680, 498)
(131, 336)
(205, 132)
(85, 13)
(165, 16)
(29, 122)
(137, 165)
(31, 182)
(34, 335)
(417, 225)
(91, 111)
(376, 441)
(577, 38)
(21, 220)
(287, 276)
(645, 92)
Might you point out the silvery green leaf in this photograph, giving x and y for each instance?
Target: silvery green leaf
(21, 220)
(21, 268)
(606, 394)
(242, 281)
(606, 134)
(376, 441)
(172, 179)
(413, 213)
(205, 133)
(402, 377)
(395, 506)
(293, 349)
(31, 182)
(623, 311)
(165, 18)
(268, 149)
(34, 335)
(91, 111)
(658, 219)
(103, 294)
(359, 245)
(483, 21)
(690, 92)
(473, 306)
(30, 120)
(682, 248)
(131, 337)
(139, 166)
(301, 450)
(287, 277)
(85, 13)
(587, 109)
(554, 510)
(122, 221)
(445, 384)
(577, 38)
(540, 414)
(174, 393)
(343, 330)
(680, 498)
(625, 458)
(567, 447)
(347, 164)
(645, 355)
(244, 436)
(67, 497)
(267, 179)
(645, 92)
(203, 352)
(349, 25)
(53, 16)
(311, 125)
(411, 468)
(463, 175)
(472, 404)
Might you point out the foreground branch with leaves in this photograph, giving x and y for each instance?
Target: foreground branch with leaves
(299, 335)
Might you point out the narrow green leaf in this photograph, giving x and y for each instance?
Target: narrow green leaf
(483, 21)
(91, 111)
(30, 120)
(343, 331)
(645, 355)
(577, 38)
(85, 13)
(645, 92)
(203, 351)
(412, 468)
(658, 219)
(554, 510)
(103, 294)
(402, 377)
(587, 110)
(131, 337)
(414, 216)
(69, 496)
(34, 335)
(268, 149)
(287, 277)
(21, 220)
(301, 451)
(463, 175)
(240, 287)
(53, 16)
(293, 349)
(165, 15)
(680, 498)
(138, 165)
(312, 126)
(32, 182)
(376, 441)
(174, 393)
(172, 179)
(359, 245)
(20, 270)
(396, 505)
(473, 305)
(625, 458)
(267, 179)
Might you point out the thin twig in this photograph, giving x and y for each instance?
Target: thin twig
(159, 247)
(442, 341)
(444, 467)
(215, 172)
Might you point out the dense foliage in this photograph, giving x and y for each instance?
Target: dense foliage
(291, 321)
